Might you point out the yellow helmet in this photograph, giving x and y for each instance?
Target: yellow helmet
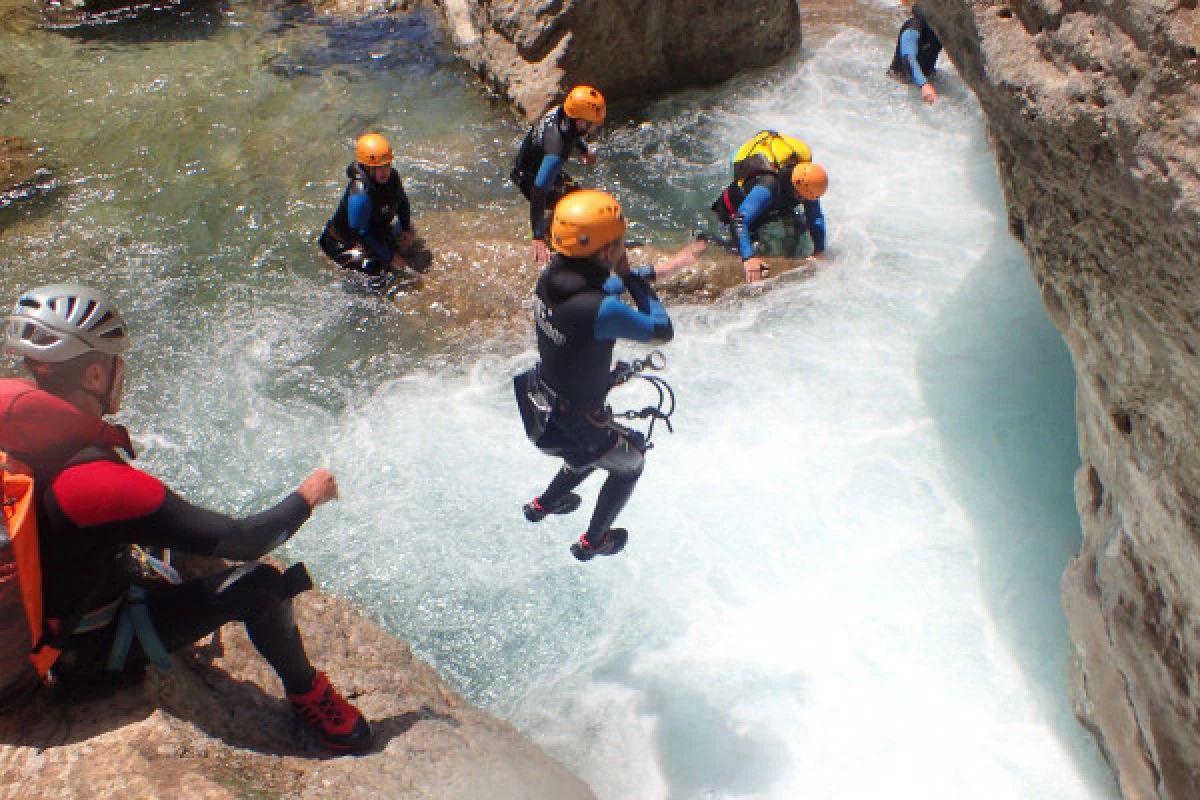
(809, 180)
(372, 150)
(585, 221)
(584, 102)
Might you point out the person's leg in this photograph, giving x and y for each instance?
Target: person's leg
(253, 593)
(624, 463)
(256, 594)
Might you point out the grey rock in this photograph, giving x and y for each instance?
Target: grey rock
(532, 51)
(1092, 111)
(217, 726)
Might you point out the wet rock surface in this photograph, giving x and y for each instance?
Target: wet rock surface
(532, 51)
(218, 726)
(1092, 110)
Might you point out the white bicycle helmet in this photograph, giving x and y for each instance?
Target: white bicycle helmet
(57, 323)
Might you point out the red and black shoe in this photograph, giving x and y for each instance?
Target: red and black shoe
(536, 512)
(337, 724)
(612, 542)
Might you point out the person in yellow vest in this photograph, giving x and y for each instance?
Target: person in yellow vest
(772, 201)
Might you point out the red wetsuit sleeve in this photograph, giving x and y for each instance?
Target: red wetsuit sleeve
(119, 504)
(100, 492)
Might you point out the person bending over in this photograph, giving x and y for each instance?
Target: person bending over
(917, 51)
(773, 199)
(537, 171)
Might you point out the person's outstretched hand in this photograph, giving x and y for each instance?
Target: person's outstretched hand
(683, 258)
(318, 488)
(929, 94)
(541, 251)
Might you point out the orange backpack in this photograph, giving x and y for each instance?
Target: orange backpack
(22, 665)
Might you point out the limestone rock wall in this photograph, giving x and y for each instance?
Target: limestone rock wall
(533, 50)
(1093, 110)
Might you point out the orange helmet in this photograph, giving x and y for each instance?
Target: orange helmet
(585, 221)
(372, 150)
(584, 102)
(809, 180)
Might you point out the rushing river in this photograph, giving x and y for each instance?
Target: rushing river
(842, 580)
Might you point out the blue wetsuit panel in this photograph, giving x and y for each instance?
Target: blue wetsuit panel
(358, 210)
(816, 224)
(757, 203)
(548, 171)
(909, 41)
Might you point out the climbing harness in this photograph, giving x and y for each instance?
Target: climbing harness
(624, 371)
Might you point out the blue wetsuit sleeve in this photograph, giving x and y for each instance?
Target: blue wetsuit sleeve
(753, 207)
(547, 173)
(358, 208)
(614, 285)
(647, 323)
(908, 51)
(815, 218)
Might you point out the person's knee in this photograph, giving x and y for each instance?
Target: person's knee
(256, 587)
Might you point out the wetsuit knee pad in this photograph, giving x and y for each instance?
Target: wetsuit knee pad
(624, 461)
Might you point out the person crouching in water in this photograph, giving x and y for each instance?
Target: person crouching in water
(917, 51)
(579, 315)
(106, 619)
(537, 170)
(772, 201)
(372, 227)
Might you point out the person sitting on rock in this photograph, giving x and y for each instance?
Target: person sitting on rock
(578, 316)
(772, 201)
(537, 171)
(372, 228)
(917, 51)
(99, 518)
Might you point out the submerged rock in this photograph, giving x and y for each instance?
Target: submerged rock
(1093, 113)
(22, 173)
(218, 726)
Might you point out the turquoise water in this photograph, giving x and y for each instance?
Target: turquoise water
(842, 577)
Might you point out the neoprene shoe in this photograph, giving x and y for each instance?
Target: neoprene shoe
(536, 512)
(610, 544)
(338, 724)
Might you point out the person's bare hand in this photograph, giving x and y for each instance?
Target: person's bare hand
(929, 94)
(318, 488)
(755, 268)
(685, 257)
(541, 251)
(589, 158)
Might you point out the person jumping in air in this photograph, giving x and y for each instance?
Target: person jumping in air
(773, 199)
(917, 51)
(372, 228)
(537, 171)
(579, 315)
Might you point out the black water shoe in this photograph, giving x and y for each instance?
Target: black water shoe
(536, 512)
(610, 544)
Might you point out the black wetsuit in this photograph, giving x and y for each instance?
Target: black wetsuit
(537, 169)
(369, 219)
(579, 316)
(928, 48)
(91, 505)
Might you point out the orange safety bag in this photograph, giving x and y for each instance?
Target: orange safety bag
(24, 658)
